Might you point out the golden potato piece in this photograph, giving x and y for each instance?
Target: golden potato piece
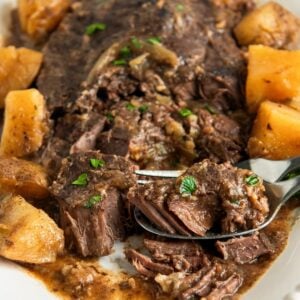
(269, 25)
(273, 75)
(25, 123)
(18, 68)
(276, 132)
(28, 234)
(23, 178)
(39, 17)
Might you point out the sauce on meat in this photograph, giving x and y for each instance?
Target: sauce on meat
(73, 278)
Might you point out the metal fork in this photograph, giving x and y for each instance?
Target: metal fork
(278, 193)
(269, 170)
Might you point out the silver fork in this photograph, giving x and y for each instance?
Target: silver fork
(269, 170)
(277, 192)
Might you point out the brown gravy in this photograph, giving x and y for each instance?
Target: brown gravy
(73, 278)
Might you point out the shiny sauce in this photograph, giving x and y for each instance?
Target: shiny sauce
(71, 277)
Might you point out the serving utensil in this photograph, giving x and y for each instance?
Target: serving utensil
(278, 194)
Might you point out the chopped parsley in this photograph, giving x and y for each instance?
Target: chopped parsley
(92, 28)
(93, 201)
(179, 7)
(136, 43)
(154, 40)
(125, 52)
(120, 62)
(130, 107)
(210, 109)
(97, 163)
(82, 180)
(252, 180)
(188, 186)
(185, 112)
(234, 201)
(143, 108)
(292, 175)
(110, 117)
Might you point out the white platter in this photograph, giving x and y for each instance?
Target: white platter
(280, 282)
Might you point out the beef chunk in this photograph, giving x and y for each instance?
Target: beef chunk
(145, 265)
(183, 256)
(92, 211)
(245, 249)
(218, 196)
(220, 138)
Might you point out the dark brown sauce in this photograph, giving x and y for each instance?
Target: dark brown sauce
(74, 278)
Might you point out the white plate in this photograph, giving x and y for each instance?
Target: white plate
(281, 281)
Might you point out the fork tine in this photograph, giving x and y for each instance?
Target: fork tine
(159, 173)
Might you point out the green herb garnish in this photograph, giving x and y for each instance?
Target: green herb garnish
(292, 175)
(185, 112)
(154, 40)
(252, 180)
(82, 180)
(110, 117)
(234, 201)
(188, 186)
(210, 109)
(143, 108)
(97, 163)
(130, 107)
(120, 62)
(93, 201)
(136, 43)
(125, 52)
(92, 28)
(179, 7)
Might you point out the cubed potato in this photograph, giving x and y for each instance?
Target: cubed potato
(25, 123)
(18, 68)
(273, 75)
(23, 178)
(276, 132)
(28, 234)
(39, 17)
(269, 25)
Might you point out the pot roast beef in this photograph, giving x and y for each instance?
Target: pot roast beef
(207, 196)
(90, 189)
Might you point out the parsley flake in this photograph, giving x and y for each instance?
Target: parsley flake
(136, 43)
(154, 40)
(292, 175)
(92, 28)
(252, 180)
(179, 7)
(210, 109)
(110, 117)
(97, 163)
(188, 186)
(234, 201)
(93, 201)
(130, 107)
(120, 62)
(125, 52)
(185, 112)
(143, 108)
(82, 180)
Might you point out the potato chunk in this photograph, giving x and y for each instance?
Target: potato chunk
(25, 123)
(273, 75)
(18, 68)
(39, 17)
(269, 25)
(23, 178)
(28, 234)
(276, 132)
